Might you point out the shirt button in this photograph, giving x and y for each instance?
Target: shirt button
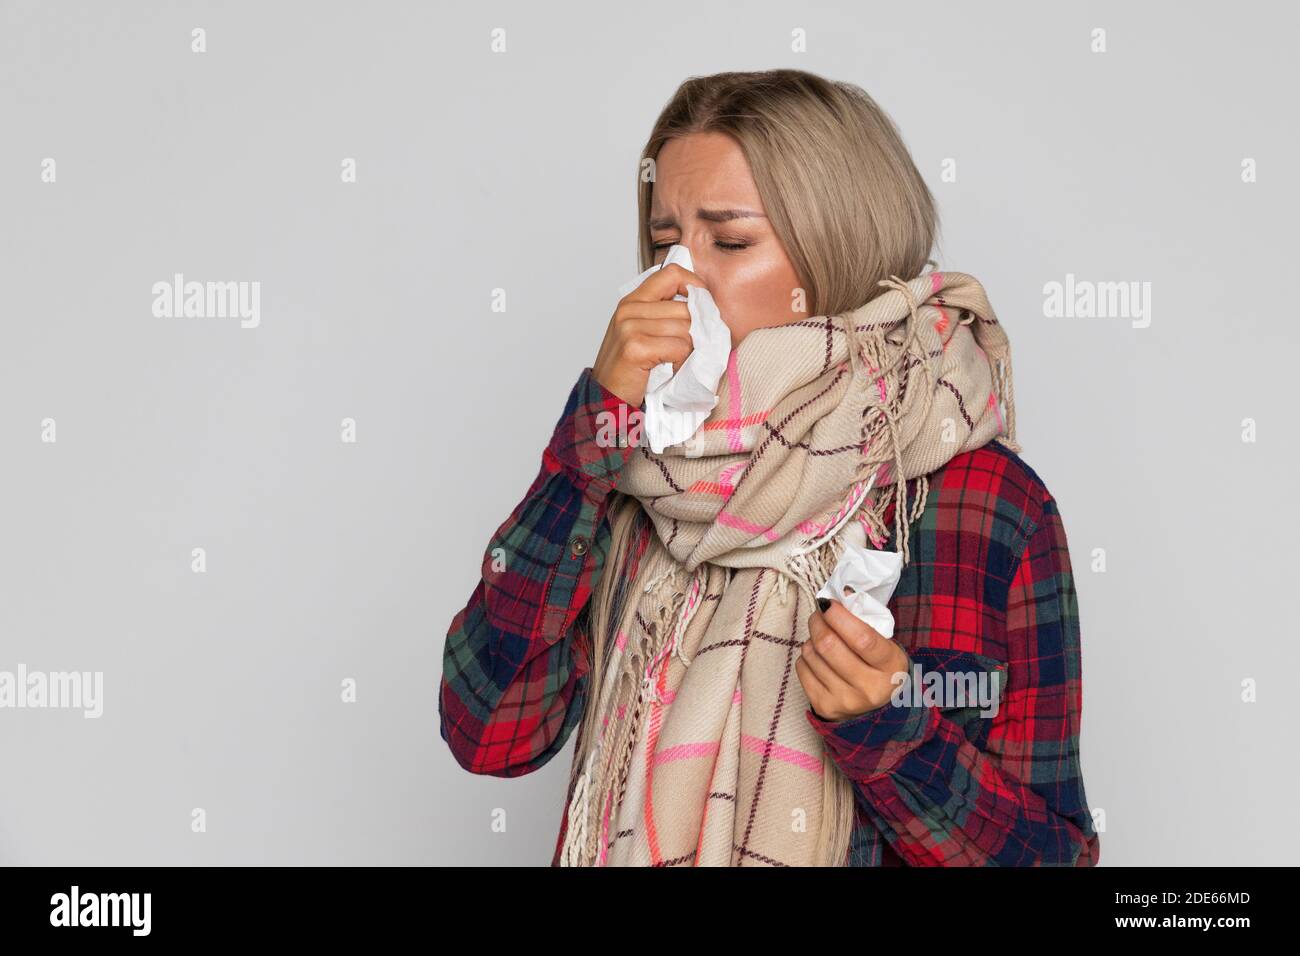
(578, 545)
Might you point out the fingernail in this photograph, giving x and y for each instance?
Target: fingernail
(824, 603)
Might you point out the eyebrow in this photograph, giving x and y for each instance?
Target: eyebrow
(708, 215)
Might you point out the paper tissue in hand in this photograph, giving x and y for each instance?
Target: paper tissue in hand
(864, 581)
(677, 405)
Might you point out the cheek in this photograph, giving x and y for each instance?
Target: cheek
(757, 293)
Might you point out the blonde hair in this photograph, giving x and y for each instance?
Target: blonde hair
(850, 208)
(836, 180)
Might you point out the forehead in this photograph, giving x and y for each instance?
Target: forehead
(702, 168)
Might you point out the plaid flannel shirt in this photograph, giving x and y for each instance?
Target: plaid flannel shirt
(988, 593)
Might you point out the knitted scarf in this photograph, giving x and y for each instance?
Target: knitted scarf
(695, 747)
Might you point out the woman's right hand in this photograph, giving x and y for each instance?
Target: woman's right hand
(648, 327)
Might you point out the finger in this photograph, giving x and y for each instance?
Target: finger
(861, 637)
(842, 659)
(665, 283)
(672, 309)
(813, 688)
(672, 325)
(836, 687)
(647, 351)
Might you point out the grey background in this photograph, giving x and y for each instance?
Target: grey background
(479, 171)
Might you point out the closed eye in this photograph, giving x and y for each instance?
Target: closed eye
(730, 246)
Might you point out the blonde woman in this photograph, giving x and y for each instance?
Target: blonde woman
(666, 603)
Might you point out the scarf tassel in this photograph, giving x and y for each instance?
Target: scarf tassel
(674, 606)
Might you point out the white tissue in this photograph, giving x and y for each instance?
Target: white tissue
(871, 577)
(677, 405)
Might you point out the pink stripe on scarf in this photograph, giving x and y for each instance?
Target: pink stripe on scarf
(724, 487)
(798, 758)
(657, 707)
(733, 388)
(993, 404)
(727, 473)
(711, 488)
(652, 738)
(687, 752)
(753, 418)
(733, 521)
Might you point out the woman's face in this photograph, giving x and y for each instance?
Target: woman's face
(704, 198)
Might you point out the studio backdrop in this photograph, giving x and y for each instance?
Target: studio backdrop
(234, 533)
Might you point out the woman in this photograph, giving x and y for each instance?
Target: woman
(667, 601)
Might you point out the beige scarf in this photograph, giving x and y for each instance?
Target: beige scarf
(695, 748)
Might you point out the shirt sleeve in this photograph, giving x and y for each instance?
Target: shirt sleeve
(956, 781)
(516, 654)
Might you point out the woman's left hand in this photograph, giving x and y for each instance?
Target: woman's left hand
(846, 667)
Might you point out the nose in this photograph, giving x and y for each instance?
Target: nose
(700, 264)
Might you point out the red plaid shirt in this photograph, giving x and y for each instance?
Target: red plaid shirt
(989, 589)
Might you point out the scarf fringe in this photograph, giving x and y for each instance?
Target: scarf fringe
(675, 602)
(1007, 396)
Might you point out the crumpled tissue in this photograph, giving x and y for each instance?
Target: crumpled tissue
(677, 405)
(864, 581)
